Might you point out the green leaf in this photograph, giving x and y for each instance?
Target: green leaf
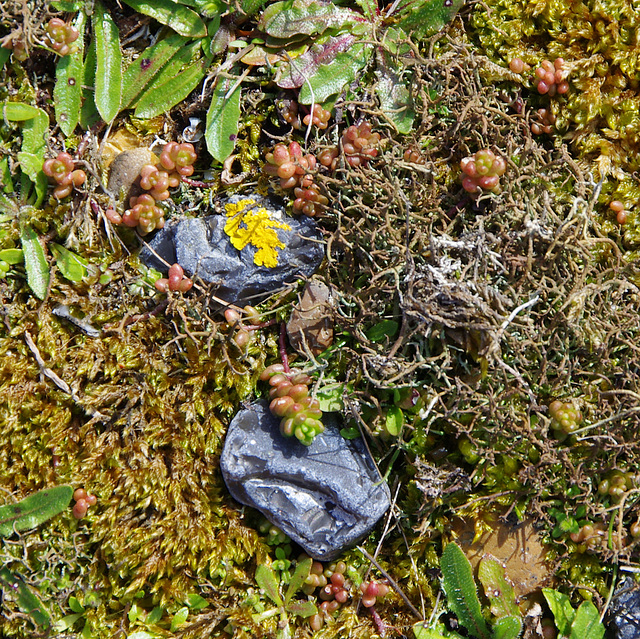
(155, 615)
(34, 510)
(6, 183)
(222, 120)
(181, 19)
(458, 585)
(303, 609)
(507, 628)
(36, 265)
(18, 111)
(67, 92)
(249, 7)
(161, 97)
(297, 580)
(394, 421)
(108, 81)
(72, 266)
(382, 330)
(370, 8)
(266, 579)
(4, 56)
(179, 618)
(421, 631)
(561, 608)
(330, 398)
(426, 17)
(498, 590)
(196, 602)
(26, 600)
(586, 624)
(289, 18)
(88, 112)
(12, 256)
(146, 67)
(395, 98)
(68, 5)
(31, 166)
(75, 605)
(67, 622)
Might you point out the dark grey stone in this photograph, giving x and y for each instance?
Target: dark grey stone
(202, 248)
(625, 610)
(325, 496)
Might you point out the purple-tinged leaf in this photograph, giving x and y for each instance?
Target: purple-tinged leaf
(294, 74)
(286, 19)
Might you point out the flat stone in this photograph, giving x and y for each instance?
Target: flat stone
(325, 496)
(311, 323)
(203, 249)
(625, 609)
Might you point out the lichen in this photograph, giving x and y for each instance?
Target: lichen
(250, 223)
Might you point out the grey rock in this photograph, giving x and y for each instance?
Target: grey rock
(625, 609)
(204, 250)
(325, 496)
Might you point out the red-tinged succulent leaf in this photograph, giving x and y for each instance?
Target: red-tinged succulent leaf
(304, 67)
(309, 17)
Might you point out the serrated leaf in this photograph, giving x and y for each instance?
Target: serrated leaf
(297, 580)
(12, 256)
(108, 80)
(586, 624)
(426, 17)
(36, 265)
(299, 69)
(309, 17)
(460, 589)
(331, 78)
(266, 579)
(563, 612)
(147, 66)
(222, 120)
(394, 421)
(507, 628)
(26, 600)
(34, 509)
(303, 609)
(72, 266)
(181, 19)
(394, 96)
(498, 590)
(67, 92)
(18, 111)
(162, 97)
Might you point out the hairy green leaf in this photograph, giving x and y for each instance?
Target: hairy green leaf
(108, 80)
(181, 19)
(422, 631)
(395, 98)
(168, 90)
(507, 628)
(18, 111)
(26, 600)
(88, 112)
(426, 17)
(37, 268)
(266, 579)
(331, 78)
(67, 92)
(563, 612)
(146, 68)
(286, 18)
(498, 590)
(297, 580)
(72, 266)
(222, 119)
(303, 609)
(34, 509)
(586, 624)
(6, 183)
(458, 585)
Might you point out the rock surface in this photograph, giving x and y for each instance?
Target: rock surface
(325, 496)
(311, 321)
(203, 249)
(625, 610)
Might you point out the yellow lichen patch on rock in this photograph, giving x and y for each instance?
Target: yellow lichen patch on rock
(250, 223)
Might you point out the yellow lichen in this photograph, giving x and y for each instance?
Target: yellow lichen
(250, 223)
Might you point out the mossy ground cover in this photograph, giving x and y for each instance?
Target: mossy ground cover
(458, 321)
